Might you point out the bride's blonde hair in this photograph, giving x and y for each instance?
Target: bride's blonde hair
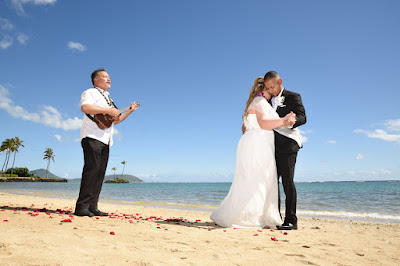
(257, 87)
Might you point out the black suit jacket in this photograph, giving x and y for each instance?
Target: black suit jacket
(292, 103)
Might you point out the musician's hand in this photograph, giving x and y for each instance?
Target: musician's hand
(114, 112)
(134, 106)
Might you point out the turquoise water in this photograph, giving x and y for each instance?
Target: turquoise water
(366, 201)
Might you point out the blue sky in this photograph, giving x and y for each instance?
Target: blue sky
(191, 65)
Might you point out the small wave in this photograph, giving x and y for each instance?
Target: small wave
(366, 216)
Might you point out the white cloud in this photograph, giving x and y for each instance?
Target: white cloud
(66, 175)
(146, 176)
(18, 7)
(332, 141)
(390, 126)
(117, 135)
(150, 177)
(22, 38)
(379, 134)
(360, 156)
(76, 46)
(6, 42)
(18, 4)
(6, 25)
(48, 116)
(8, 34)
(41, 2)
(58, 137)
(302, 135)
(393, 125)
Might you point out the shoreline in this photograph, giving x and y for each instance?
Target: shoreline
(33, 179)
(302, 213)
(41, 230)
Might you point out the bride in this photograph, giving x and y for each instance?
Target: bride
(252, 200)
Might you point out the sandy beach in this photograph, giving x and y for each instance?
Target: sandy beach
(42, 231)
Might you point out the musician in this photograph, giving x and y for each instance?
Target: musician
(96, 142)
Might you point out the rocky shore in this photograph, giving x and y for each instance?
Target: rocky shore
(31, 179)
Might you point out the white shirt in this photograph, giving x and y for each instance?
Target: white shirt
(89, 128)
(273, 100)
(275, 106)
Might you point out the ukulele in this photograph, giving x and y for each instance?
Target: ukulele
(104, 121)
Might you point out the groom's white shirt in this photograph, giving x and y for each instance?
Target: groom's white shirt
(289, 132)
(273, 100)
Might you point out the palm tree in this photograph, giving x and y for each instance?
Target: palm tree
(114, 169)
(17, 143)
(123, 162)
(48, 154)
(6, 146)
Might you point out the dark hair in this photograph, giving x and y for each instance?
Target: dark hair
(96, 73)
(271, 75)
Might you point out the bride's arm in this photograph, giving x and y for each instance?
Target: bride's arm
(267, 123)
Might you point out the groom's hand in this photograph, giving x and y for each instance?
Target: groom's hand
(290, 119)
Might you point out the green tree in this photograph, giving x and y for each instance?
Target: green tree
(114, 169)
(48, 155)
(123, 162)
(6, 146)
(17, 143)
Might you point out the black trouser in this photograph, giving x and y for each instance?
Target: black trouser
(96, 158)
(285, 163)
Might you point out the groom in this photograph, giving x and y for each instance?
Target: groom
(284, 102)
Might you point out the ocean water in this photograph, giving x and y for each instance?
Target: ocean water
(377, 201)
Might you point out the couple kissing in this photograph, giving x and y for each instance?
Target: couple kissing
(266, 152)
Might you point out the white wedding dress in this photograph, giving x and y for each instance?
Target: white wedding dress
(252, 200)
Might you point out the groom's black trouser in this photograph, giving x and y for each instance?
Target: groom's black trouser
(285, 163)
(96, 158)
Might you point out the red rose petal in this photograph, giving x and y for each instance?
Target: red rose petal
(5, 221)
(285, 233)
(66, 221)
(255, 235)
(112, 233)
(274, 239)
